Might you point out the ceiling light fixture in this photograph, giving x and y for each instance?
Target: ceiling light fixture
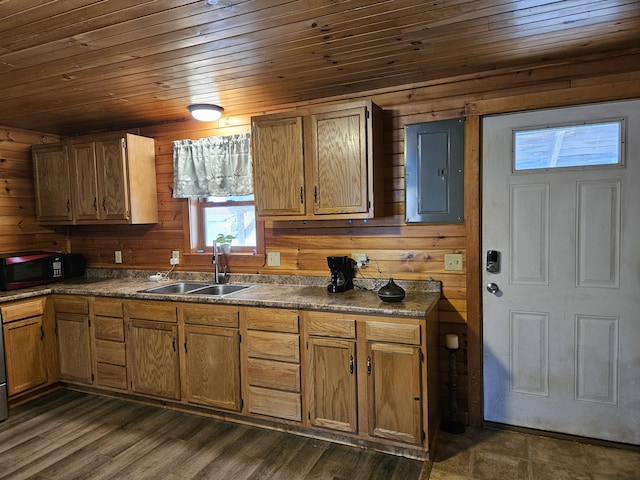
(205, 112)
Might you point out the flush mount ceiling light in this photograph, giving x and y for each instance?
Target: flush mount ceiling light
(205, 112)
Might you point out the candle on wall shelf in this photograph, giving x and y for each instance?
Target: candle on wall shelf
(452, 341)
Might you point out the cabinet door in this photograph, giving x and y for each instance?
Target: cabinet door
(332, 384)
(24, 352)
(83, 163)
(52, 184)
(395, 403)
(74, 348)
(278, 167)
(212, 357)
(154, 360)
(112, 180)
(338, 152)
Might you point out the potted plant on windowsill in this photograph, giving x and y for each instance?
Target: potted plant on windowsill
(225, 242)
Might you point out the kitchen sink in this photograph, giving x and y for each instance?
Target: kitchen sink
(177, 287)
(196, 288)
(221, 289)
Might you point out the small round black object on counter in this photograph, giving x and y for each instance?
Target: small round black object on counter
(391, 292)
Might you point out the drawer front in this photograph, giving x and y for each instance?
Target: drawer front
(393, 332)
(112, 376)
(156, 311)
(21, 310)
(272, 320)
(71, 305)
(274, 403)
(325, 324)
(284, 347)
(109, 328)
(270, 374)
(113, 353)
(107, 307)
(216, 315)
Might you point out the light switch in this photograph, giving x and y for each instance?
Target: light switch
(453, 261)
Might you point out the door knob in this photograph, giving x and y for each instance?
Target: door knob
(492, 288)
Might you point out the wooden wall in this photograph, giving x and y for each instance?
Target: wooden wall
(18, 228)
(396, 249)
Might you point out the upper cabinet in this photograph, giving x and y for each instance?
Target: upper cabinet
(110, 180)
(319, 163)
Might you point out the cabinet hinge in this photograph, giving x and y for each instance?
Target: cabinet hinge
(424, 436)
(367, 113)
(239, 338)
(421, 356)
(0, 317)
(92, 378)
(241, 403)
(307, 344)
(369, 204)
(89, 322)
(124, 144)
(309, 415)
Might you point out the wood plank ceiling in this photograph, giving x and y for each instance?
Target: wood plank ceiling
(70, 66)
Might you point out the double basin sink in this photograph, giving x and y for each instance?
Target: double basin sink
(196, 288)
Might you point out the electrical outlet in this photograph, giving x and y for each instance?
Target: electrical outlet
(361, 259)
(273, 259)
(175, 257)
(118, 256)
(453, 261)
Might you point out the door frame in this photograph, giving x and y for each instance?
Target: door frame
(474, 111)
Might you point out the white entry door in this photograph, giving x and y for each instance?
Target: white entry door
(561, 334)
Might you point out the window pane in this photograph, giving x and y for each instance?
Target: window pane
(239, 221)
(568, 146)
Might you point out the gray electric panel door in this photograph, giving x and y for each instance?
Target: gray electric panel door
(434, 176)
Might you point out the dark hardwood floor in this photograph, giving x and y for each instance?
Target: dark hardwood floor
(71, 435)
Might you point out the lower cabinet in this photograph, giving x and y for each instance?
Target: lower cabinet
(74, 339)
(272, 363)
(211, 361)
(154, 361)
(24, 345)
(331, 361)
(109, 344)
(380, 396)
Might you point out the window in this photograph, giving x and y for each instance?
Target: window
(565, 146)
(213, 216)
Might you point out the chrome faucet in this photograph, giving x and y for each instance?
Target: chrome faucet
(216, 264)
(215, 259)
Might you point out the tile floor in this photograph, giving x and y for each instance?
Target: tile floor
(488, 454)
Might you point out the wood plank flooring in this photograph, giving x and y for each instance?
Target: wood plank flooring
(71, 435)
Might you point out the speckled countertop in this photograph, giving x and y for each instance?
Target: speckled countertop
(306, 293)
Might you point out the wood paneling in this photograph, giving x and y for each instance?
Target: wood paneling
(18, 228)
(70, 67)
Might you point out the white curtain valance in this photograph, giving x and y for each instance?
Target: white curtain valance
(214, 166)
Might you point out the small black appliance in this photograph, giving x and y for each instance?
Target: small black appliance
(343, 269)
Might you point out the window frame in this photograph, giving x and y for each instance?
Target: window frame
(200, 254)
(621, 145)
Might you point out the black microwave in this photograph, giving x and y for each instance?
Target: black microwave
(28, 269)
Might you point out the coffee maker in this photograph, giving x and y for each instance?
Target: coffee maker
(343, 269)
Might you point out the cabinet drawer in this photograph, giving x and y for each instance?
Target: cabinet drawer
(271, 374)
(110, 352)
(217, 315)
(284, 347)
(157, 311)
(113, 376)
(107, 307)
(272, 320)
(109, 328)
(325, 324)
(71, 305)
(393, 332)
(274, 403)
(21, 309)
